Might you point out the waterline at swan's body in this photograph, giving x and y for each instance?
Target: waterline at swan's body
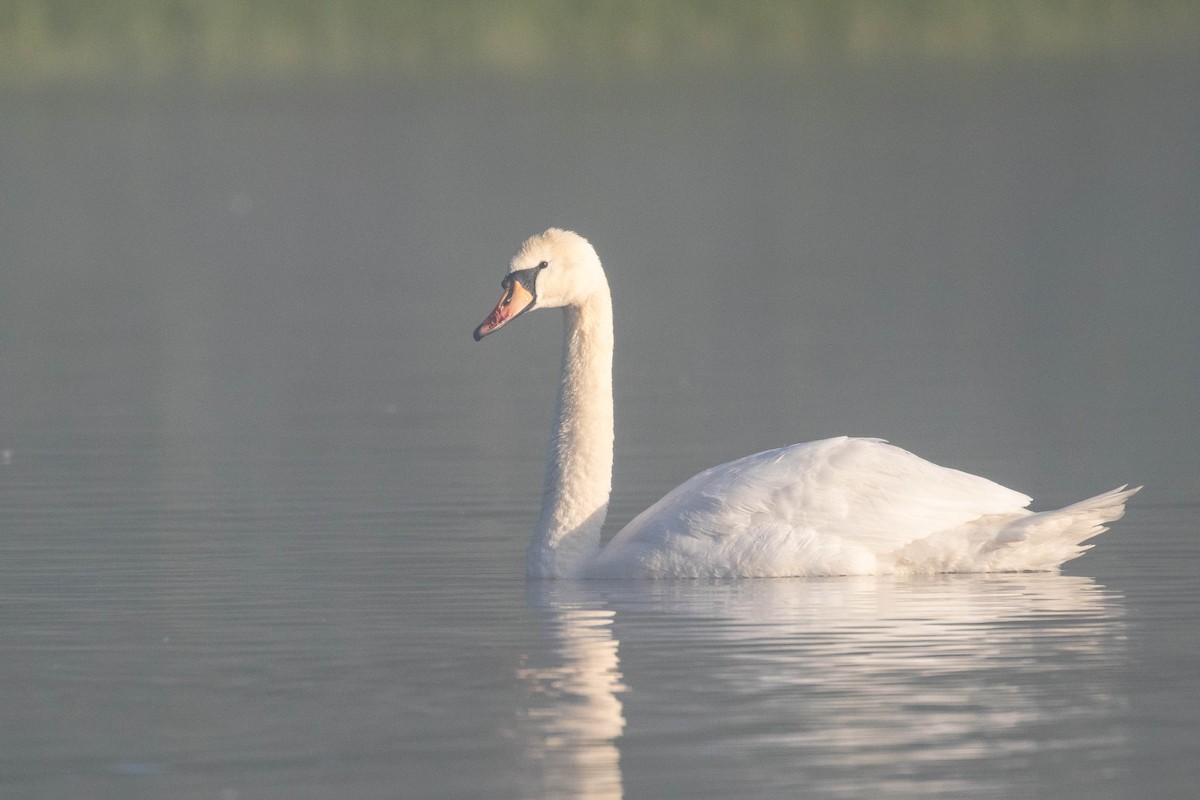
(839, 506)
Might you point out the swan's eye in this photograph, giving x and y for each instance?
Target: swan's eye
(542, 265)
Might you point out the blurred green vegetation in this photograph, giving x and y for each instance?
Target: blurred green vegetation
(220, 42)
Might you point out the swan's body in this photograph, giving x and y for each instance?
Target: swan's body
(835, 507)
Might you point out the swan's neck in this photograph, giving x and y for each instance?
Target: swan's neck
(579, 473)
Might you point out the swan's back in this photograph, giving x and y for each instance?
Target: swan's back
(831, 507)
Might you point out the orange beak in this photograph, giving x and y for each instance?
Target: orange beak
(515, 301)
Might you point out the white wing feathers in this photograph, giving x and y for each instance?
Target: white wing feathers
(825, 507)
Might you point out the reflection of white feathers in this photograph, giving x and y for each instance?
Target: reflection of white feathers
(845, 672)
(574, 716)
(835, 507)
(953, 668)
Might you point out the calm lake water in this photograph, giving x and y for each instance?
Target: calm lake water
(263, 501)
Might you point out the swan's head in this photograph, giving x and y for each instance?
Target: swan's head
(551, 270)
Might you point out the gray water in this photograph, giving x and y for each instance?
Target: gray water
(263, 501)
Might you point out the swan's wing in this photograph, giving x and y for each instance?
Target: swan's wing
(836, 499)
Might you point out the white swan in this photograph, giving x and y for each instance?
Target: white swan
(839, 506)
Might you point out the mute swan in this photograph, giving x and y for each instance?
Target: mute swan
(842, 506)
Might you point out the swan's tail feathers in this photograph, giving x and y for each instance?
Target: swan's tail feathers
(1045, 540)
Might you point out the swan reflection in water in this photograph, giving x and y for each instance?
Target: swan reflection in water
(574, 716)
(947, 683)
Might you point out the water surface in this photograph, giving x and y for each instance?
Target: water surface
(263, 502)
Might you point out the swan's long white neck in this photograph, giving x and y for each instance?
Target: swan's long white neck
(579, 474)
